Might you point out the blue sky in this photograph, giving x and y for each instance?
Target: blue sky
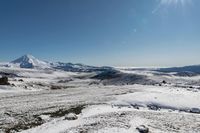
(102, 32)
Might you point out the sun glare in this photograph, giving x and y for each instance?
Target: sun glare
(175, 2)
(166, 3)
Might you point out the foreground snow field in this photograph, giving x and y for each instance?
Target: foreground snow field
(38, 100)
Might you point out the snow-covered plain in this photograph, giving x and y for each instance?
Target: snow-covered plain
(38, 100)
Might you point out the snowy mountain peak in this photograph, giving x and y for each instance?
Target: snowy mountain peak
(24, 58)
(29, 61)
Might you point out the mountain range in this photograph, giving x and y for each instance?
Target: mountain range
(30, 62)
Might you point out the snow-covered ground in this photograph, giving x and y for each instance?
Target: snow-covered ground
(120, 115)
(38, 100)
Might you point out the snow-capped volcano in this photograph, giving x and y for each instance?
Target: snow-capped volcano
(29, 61)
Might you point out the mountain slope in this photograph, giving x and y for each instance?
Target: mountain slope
(77, 67)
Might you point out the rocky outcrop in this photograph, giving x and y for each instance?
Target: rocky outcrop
(143, 129)
(4, 81)
(71, 116)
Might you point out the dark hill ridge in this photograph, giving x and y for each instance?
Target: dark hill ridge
(188, 69)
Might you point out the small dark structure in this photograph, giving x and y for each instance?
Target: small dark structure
(4, 81)
(21, 80)
(164, 82)
(54, 87)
